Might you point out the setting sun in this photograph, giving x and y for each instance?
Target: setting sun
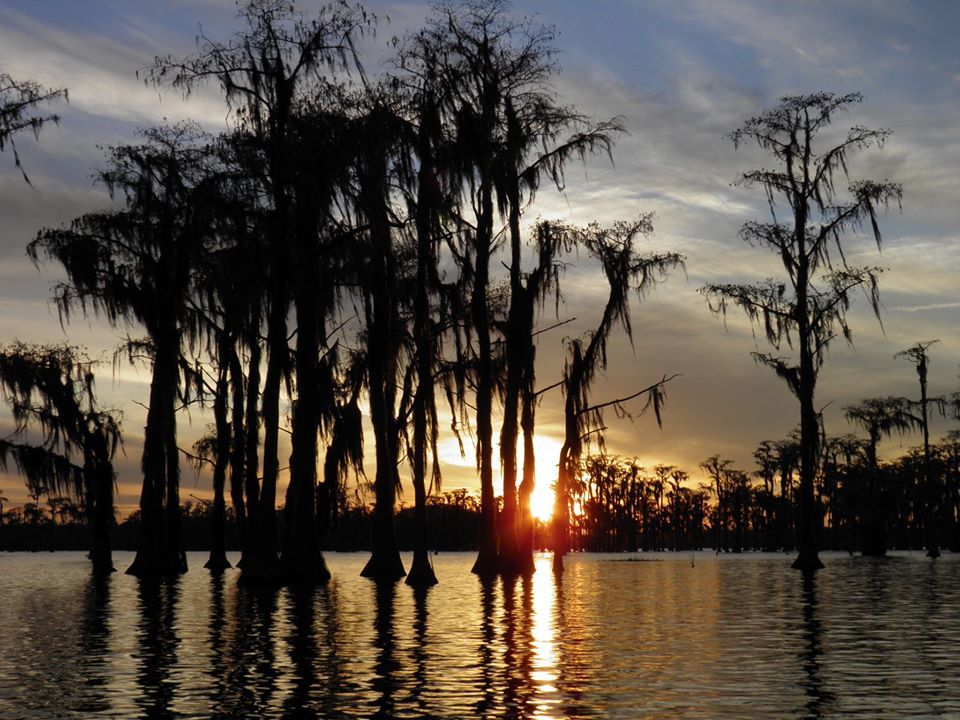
(547, 451)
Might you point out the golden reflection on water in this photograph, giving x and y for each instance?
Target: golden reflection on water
(614, 636)
(544, 641)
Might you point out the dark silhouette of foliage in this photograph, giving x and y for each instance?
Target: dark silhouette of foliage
(918, 355)
(880, 417)
(50, 390)
(627, 272)
(19, 104)
(135, 266)
(276, 77)
(808, 309)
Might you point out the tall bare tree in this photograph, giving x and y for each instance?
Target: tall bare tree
(806, 310)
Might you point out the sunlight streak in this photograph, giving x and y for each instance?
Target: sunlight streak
(544, 632)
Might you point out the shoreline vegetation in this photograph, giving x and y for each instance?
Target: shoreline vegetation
(361, 245)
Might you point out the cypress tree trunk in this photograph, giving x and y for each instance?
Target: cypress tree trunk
(384, 562)
(486, 562)
(237, 448)
(421, 571)
(507, 526)
(100, 510)
(931, 515)
(561, 517)
(302, 561)
(252, 449)
(263, 567)
(218, 520)
(158, 551)
(382, 352)
(525, 564)
(808, 517)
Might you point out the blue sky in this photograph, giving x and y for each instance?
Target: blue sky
(681, 74)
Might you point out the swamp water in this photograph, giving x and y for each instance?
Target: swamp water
(653, 635)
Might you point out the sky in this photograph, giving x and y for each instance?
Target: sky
(680, 75)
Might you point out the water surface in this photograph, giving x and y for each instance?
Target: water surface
(652, 635)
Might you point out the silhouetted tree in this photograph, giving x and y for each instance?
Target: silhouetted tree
(379, 132)
(527, 293)
(20, 101)
(717, 469)
(627, 271)
(805, 311)
(429, 200)
(273, 74)
(918, 355)
(880, 417)
(492, 74)
(50, 389)
(134, 266)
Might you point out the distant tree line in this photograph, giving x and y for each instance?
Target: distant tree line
(861, 505)
(59, 523)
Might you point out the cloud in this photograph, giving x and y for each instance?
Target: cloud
(925, 308)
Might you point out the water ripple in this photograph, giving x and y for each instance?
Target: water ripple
(737, 637)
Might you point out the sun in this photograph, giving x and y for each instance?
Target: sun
(547, 453)
(541, 502)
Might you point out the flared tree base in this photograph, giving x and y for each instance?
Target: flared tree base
(217, 562)
(259, 571)
(146, 564)
(873, 540)
(558, 563)
(421, 571)
(807, 562)
(515, 564)
(384, 565)
(102, 563)
(305, 572)
(487, 563)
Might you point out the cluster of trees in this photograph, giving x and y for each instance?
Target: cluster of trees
(356, 240)
(860, 504)
(342, 244)
(616, 505)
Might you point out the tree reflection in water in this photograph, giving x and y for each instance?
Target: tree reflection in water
(386, 667)
(328, 650)
(732, 637)
(219, 665)
(302, 645)
(811, 656)
(418, 651)
(95, 645)
(250, 663)
(487, 646)
(157, 642)
(518, 646)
